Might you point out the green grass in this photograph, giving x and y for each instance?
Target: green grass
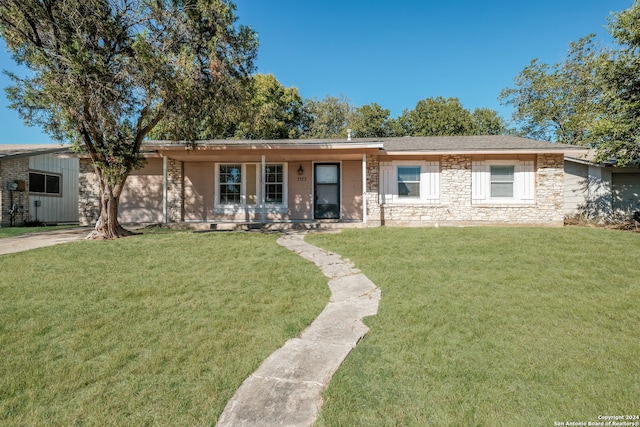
(159, 329)
(17, 231)
(491, 327)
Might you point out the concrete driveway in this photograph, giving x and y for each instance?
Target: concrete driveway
(25, 242)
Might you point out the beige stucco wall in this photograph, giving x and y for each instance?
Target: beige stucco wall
(300, 192)
(198, 191)
(352, 190)
(141, 198)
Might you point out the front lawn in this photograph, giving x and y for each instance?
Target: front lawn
(157, 329)
(491, 326)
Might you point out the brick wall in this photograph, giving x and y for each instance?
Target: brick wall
(14, 170)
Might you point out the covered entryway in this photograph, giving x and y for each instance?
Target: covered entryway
(326, 191)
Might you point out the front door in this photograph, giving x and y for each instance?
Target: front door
(326, 190)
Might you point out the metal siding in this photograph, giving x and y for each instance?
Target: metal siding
(575, 187)
(626, 192)
(63, 208)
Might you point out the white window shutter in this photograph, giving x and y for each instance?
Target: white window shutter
(387, 183)
(430, 182)
(479, 182)
(525, 181)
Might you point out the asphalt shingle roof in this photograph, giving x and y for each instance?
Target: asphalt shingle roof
(21, 150)
(471, 143)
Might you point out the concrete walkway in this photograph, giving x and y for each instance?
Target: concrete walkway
(24, 242)
(286, 390)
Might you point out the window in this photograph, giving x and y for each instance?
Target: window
(274, 178)
(230, 184)
(502, 182)
(44, 183)
(239, 184)
(410, 182)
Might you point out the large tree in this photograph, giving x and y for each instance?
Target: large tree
(441, 117)
(559, 102)
(617, 133)
(330, 117)
(104, 73)
(273, 111)
(371, 121)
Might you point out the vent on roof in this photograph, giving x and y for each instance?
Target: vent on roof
(348, 134)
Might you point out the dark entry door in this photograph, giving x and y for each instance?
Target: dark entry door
(327, 191)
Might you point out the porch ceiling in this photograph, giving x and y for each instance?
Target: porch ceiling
(251, 155)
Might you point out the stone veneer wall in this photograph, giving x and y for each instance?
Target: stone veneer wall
(89, 197)
(455, 207)
(175, 191)
(14, 170)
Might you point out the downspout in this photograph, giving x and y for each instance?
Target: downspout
(263, 185)
(165, 187)
(364, 188)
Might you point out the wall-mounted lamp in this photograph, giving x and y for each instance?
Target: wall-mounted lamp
(300, 170)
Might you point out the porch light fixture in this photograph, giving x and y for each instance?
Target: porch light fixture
(300, 170)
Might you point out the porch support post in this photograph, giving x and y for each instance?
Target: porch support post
(364, 188)
(263, 185)
(165, 172)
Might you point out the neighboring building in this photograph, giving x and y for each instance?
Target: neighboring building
(600, 191)
(38, 183)
(389, 181)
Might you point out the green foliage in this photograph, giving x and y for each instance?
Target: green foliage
(274, 112)
(486, 121)
(103, 74)
(330, 117)
(370, 121)
(446, 117)
(591, 99)
(618, 133)
(440, 116)
(559, 102)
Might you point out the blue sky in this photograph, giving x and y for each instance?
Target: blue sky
(396, 53)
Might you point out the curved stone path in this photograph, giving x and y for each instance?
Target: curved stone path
(286, 390)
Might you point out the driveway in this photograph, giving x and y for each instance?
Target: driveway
(24, 242)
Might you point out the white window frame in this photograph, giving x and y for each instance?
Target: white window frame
(523, 182)
(429, 182)
(233, 207)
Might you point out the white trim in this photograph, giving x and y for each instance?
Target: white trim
(313, 184)
(263, 188)
(165, 190)
(523, 182)
(261, 205)
(429, 182)
(364, 188)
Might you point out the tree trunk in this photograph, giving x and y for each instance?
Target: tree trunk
(107, 226)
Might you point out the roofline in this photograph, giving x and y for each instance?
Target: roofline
(559, 150)
(35, 153)
(256, 145)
